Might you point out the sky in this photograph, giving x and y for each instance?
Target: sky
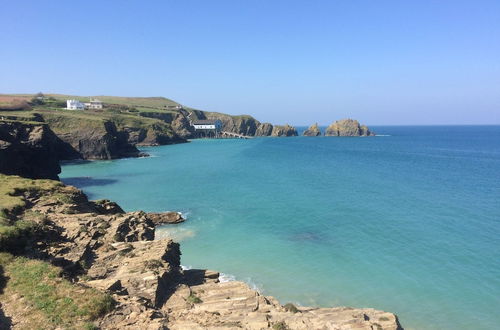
(299, 62)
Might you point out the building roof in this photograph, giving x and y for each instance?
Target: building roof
(205, 122)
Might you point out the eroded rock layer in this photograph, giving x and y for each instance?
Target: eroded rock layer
(97, 245)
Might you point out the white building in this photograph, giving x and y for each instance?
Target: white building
(93, 104)
(74, 105)
(207, 128)
(207, 124)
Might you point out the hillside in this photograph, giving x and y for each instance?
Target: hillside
(132, 112)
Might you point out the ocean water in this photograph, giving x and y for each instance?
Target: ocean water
(408, 222)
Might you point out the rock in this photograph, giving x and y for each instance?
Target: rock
(264, 129)
(347, 127)
(28, 150)
(133, 227)
(285, 130)
(182, 127)
(165, 218)
(313, 130)
(105, 206)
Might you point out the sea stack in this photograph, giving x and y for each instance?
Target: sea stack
(313, 130)
(285, 130)
(348, 127)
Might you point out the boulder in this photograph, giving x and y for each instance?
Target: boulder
(165, 218)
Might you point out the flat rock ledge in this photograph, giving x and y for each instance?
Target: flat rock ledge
(100, 246)
(166, 218)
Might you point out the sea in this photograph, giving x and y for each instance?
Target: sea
(407, 221)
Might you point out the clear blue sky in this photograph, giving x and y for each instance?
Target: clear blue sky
(382, 62)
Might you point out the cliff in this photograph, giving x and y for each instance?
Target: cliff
(98, 267)
(347, 127)
(29, 150)
(313, 130)
(285, 130)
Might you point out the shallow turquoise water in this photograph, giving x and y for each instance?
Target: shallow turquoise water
(408, 223)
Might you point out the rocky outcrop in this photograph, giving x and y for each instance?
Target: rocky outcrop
(165, 218)
(347, 127)
(264, 129)
(313, 130)
(285, 130)
(115, 252)
(182, 127)
(28, 150)
(91, 138)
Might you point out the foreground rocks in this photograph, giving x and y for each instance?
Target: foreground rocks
(347, 127)
(97, 245)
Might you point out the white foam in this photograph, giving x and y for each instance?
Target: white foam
(176, 233)
(383, 135)
(223, 278)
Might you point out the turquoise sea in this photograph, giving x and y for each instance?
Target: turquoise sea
(408, 222)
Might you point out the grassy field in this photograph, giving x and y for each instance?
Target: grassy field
(160, 103)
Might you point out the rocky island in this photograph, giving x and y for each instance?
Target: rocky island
(313, 130)
(347, 127)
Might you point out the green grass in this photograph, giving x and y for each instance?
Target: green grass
(13, 238)
(193, 299)
(12, 188)
(47, 298)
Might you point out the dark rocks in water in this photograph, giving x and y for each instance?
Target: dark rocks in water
(313, 130)
(348, 127)
(28, 150)
(165, 218)
(285, 130)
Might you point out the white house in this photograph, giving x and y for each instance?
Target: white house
(207, 128)
(93, 104)
(74, 105)
(207, 124)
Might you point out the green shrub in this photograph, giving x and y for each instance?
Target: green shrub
(291, 308)
(193, 299)
(280, 326)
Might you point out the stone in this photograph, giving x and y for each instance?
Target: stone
(165, 218)
(313, 130)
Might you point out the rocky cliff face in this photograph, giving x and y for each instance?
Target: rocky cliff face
(285, 130)
(28, 150)
(96, 139)
(313, 130)
(347, 127)
(97, 245)
(264, 129)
